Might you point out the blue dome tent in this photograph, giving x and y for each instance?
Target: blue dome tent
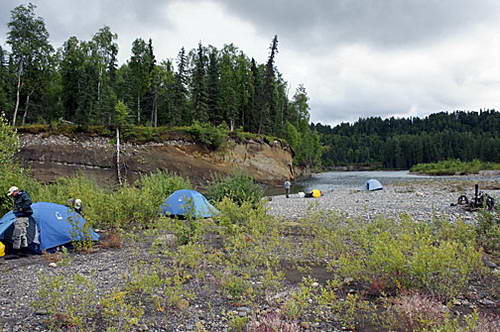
(373, 184)
(188, 203)
(51, 225)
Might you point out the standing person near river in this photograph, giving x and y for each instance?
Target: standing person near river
(287, 186)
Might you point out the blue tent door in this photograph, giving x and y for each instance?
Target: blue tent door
(57, 225)
(188, 203)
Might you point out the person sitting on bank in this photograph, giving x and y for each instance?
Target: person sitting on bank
(287, 186)
(22, 211)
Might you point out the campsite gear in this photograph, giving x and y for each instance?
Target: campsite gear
(480, 200)
(2, 249)
(374, 184)
(316, 193)
(51, 225)
(188, 203)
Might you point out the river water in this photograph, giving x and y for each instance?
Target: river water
(330, 181)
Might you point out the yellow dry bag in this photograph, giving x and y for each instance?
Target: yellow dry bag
(2, 249)
(316, 193)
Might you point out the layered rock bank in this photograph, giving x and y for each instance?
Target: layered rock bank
(53, 156)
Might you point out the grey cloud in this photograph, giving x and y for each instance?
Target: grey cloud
(321, 24)
(79, 18)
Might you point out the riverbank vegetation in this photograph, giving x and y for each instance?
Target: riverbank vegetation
(82, 83)
(403, 143)
(454, 167)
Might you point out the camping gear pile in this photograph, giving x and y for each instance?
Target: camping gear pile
(479, 201)
(315, 193)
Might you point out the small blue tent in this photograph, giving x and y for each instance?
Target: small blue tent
(188, 203)
(53, 225)
(373, 184)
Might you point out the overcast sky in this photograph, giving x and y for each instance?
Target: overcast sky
(356, 58)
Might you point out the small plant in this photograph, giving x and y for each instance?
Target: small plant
(70, 301)
(237, 323)
(118, 312)
(270, 322)
(112, 239)
(414, 312)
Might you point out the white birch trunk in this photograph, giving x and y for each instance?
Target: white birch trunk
(17, 94)
(118, 173)
(26, 107)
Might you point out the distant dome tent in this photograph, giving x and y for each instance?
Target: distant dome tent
(188, 203)
(374, 184)
(51, 225)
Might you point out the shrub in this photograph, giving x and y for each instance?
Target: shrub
(488, 231)
(158, 186)
(126, 207)
(454, 166)
(414, 259)
(207, 134)
(238, 187)
(272, 321)
(414, 312)
(9, 142)
(70, 301)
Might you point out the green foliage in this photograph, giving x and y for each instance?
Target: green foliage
(207, 134)
(488, 231)
(238, 187)
(454, 167)
(9, 142)
(438, 257)
(122, 114)
(413, 259)
(71, 302)
(161, 184)
(123, 208)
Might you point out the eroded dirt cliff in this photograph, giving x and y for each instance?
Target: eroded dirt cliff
(53, 156)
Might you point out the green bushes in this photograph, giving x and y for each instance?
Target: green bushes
(438, 257)
(488, 231)
(238, 187)
(207, 134)
(126, 207)
(454, 166)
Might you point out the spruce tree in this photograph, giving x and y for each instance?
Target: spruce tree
(199, 93)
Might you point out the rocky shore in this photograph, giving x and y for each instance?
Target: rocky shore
(421, 200)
